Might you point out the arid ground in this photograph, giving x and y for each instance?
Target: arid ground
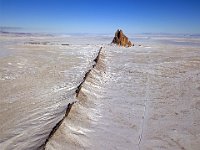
(145, 97)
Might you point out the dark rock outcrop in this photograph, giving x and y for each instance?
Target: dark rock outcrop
(121, 40)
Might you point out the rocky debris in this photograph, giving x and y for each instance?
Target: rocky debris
(65, 44)
(37, 43)
(121, 40)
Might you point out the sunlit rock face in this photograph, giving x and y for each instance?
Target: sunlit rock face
(121, 40)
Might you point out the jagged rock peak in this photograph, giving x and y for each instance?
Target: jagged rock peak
(121, 40)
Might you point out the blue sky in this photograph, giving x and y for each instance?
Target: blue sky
(102, 16)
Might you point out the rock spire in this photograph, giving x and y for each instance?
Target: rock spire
(121, 40)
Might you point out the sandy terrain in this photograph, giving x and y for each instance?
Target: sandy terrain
(141, 98)
(38, 78)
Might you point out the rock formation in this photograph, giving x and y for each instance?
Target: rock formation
(121, 40)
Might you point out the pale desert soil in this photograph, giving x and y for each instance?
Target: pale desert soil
(37, 81)
(141, 98)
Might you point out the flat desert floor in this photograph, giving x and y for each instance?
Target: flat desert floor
(145, 97)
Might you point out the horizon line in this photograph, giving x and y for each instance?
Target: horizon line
(23, 30)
